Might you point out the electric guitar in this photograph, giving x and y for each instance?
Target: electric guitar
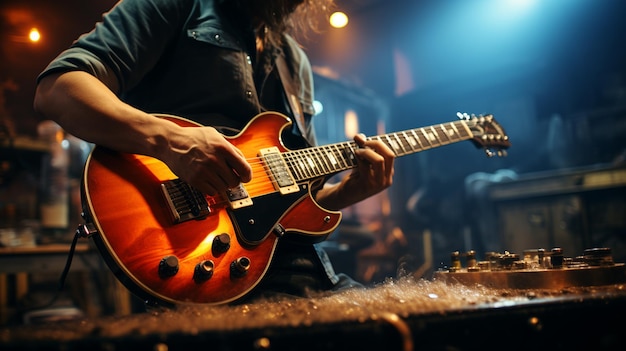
(170, 244)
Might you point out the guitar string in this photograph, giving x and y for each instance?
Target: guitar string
(451, 135)
(324, 166)
(295, 160)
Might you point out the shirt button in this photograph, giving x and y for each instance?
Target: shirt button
(249, 94)
(218, 38)
(248, 59)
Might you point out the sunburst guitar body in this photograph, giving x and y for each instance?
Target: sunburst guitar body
(170, 244)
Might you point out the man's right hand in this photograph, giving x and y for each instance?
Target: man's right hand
(205, 159)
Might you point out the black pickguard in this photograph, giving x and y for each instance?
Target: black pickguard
(254, 223)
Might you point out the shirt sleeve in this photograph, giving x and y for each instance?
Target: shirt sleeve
(126, 44)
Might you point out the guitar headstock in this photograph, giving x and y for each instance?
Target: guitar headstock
(487, 133)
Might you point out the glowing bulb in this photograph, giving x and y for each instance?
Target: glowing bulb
(338, 20)
(34, 35)
(318, 107)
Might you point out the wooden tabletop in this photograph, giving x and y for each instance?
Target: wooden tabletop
(42, 249)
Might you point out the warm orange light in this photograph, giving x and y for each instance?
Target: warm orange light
(34, 35)
(338, 20)
(351, 124)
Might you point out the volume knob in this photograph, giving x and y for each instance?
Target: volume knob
(168, 266)
(240, 266)
(203, 271)
(221, 244)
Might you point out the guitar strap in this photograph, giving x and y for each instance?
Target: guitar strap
(290, 92)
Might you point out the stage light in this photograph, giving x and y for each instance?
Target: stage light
(521, 4)
(34, 35)
(338, 20)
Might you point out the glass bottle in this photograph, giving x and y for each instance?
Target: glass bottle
(54, 184)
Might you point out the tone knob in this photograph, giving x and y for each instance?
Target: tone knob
(240, 266)
(221, 244)
(203, 271)
(168, 266)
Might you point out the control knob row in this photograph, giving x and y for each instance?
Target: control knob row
(169, 266)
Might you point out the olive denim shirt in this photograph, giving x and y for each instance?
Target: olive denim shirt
(197, 59)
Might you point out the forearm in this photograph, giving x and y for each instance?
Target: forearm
(334, 197)
(86, 108)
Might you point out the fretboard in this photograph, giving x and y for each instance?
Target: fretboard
(334, 158)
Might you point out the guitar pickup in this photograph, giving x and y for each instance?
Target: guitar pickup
(184, 202)
(283, 180)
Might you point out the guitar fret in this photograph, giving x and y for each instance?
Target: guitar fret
(453, 132)
(314, 157)
(435, 134)
(311, 166)
(295, 165)
(331, 157)
(405, 142)
(400, 143)
(427, 138)
(409, 140)
(456, 131)
(446, 133)
(308, 162)
(341, 158)
(417, 138)
(288, 156)
(303, 164)
(313, 161)
(349, 153)
(319, 161)
(390, 143)
(325, 160)
(468, 132)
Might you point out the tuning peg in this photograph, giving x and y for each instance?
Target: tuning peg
(463, 115)
(492, 153)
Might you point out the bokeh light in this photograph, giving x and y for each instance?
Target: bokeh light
(34, 35)
(338, 20)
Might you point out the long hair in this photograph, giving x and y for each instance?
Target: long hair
(289, 16)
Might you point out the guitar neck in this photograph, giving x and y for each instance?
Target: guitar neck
(330, 159)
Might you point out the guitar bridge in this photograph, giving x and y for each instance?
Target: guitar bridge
(238, 197)
(184, 202)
